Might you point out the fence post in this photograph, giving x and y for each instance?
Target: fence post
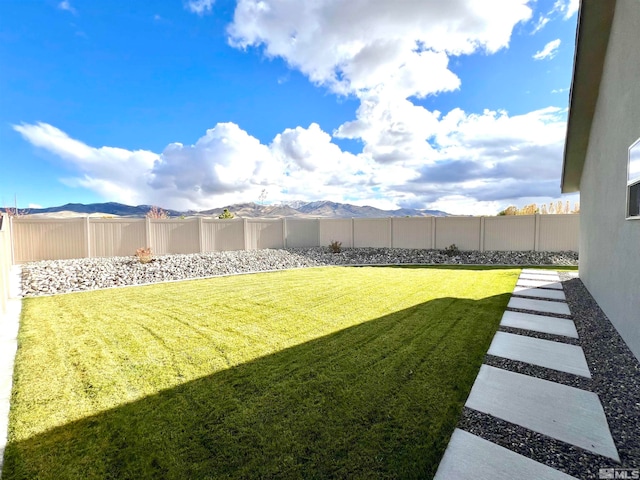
(284, 232)
(536, 232)
(244, 233)
(200, 238)
(390, 220)
(319, 232)
(147, 229)
(482, 233)
(87, 236)
(353, 232)
(11, 233)
(433, 232)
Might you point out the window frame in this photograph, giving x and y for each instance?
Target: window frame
(632, 182)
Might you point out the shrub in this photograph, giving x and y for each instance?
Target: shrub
(225, 214)
(155, 212)
(452, 250)
(144, 255)
(335, 246)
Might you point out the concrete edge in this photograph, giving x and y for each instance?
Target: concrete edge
(9, 326)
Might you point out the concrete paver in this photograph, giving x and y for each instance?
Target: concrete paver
(544, 353)
(539, 292)
(471, 457)
(538, 271)
(566, 413)
(539, 305)
(535, 276)
(539, 283)
(539, 323)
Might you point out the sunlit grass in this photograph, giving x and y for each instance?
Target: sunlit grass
(343, 372)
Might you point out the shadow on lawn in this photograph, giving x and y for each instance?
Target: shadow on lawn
(377, 400)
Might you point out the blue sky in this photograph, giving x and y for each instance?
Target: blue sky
(459, 106)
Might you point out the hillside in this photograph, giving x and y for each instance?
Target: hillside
(323, 209)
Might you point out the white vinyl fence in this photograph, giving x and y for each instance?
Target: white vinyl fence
(5, 262)
(49, 239)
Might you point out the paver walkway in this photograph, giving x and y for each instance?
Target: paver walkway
(559, 411)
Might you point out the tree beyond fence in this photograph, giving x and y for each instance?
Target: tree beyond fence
(51, 239)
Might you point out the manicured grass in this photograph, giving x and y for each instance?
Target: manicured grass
(317, 373)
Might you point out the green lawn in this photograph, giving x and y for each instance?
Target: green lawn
(315, 373)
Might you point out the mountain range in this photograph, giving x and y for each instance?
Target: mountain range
(324, 209)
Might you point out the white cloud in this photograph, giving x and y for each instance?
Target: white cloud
(567, 8)
(467, 162)
(346, 47)
(65, 5)
(549, 51)
(111, 172)
(560, 90)
(200, 7)
(542, 22)
(34, 205)
(226, 160)
(392, 129)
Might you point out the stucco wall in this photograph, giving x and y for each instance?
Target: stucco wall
(609, 244)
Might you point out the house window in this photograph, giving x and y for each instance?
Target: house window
(633, 181)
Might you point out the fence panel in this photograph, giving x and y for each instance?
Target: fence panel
(5, 262)
(264, 233)
(559, 232)
(302, 232)
(116, 237)
(336, 229)
(412, 232)
(512, 232)
(49, 239)
(464, 232)
(222, 235)
(169, 236)
(371, 232)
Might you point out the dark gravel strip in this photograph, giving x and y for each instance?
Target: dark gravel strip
(615, 379)
(542, 335)
(539, 372)
(615, 371)
(556, 454)
(515, 294)
(546, 314)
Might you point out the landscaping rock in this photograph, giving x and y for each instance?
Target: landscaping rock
(63, 276)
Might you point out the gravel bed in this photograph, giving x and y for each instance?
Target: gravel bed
(539, 372)
(543, 314)
(615, 371)
(615, 379)
(571, 460)
(63, 276)
(542, 335)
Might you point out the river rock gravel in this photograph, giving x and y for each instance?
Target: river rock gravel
(64, 276)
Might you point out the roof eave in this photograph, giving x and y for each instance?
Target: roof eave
(592, 37)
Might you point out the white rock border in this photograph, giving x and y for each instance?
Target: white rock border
(64, 276)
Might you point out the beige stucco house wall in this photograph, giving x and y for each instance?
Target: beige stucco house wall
(604, 121)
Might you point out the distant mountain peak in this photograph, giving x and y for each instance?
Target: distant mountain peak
(319, 208)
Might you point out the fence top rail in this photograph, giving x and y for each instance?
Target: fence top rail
(27, 219)
(268, 220)
(213, 219)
